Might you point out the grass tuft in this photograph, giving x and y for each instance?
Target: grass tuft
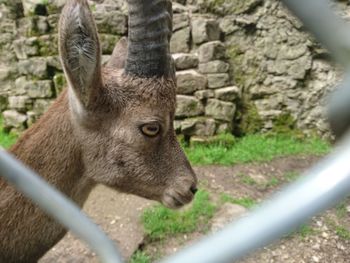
(140, 257)
(159, 221)
(306, 230)
(6, 139)
(342, 232)
(246, 202)
(255, 148)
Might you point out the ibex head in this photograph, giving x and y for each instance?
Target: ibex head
(123, 114)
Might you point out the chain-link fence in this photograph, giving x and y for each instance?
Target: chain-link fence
(321, 187)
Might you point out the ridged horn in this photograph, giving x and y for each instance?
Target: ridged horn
(150, 28)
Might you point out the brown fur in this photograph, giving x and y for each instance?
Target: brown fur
(92, 135)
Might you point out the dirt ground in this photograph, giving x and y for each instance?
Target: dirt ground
(118, 215)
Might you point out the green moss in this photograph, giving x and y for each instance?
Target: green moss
(59, 81)
(108, 42)
(286, 124)
(235, 55)
(48, 45)
(251, 121)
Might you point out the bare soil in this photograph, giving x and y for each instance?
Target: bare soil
(118, 215)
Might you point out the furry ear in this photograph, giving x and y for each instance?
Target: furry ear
(119, 54)
(80, 51)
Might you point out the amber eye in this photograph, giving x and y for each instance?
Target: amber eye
(150, 129)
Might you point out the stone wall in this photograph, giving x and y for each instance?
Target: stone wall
(242, 66)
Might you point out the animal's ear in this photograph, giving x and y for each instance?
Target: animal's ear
(119, 54)
(80, 51)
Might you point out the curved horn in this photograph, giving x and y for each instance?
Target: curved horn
(150, 28)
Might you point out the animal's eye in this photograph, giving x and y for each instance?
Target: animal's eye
(150, 129)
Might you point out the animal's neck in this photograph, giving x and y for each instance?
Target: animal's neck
(50, 148)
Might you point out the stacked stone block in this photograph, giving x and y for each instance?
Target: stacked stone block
(237, 62)
(36, 77)
(206, 100)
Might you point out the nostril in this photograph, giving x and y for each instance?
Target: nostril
(193, 189)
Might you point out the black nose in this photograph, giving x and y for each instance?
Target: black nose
(193, 189)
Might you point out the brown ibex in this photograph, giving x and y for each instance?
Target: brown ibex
(112, 125)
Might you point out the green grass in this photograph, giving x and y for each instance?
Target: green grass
(140, 257)
(6, 139)
(246, 179)
(255, 148)
(306, 230)
(341, 210)
(159, 221)
(246, 202)
(272, 182)
(291, 176)
(342, 232)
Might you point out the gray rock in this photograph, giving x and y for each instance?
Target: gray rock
(180, 40)
(41, 105)
(26, 47)
(5, 72)
(113, 22)
(48, 45)
(54, 62)
(41, 25)
(188, 106)
(20, 103)
(198, 127)
(220, 110)
(204, 94)
(33, 26)
(30, 6)
(55, 6)
(188, 81)
(228, 25)
(218, 80)
(31, 118)
(14, 119)
(214, 50)
(185, 61)
(274, 102)
(227, 94)
(180, 21)
(204, 30)
(39, 89)
(224, 128)
(290, 53)
(179, 7)
(20, 86)
(226, 7)
(34, 66)
(216, 66)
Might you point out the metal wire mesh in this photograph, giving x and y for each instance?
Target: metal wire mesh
(322, 186)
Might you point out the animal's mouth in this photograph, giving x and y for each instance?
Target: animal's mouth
(175, 199)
